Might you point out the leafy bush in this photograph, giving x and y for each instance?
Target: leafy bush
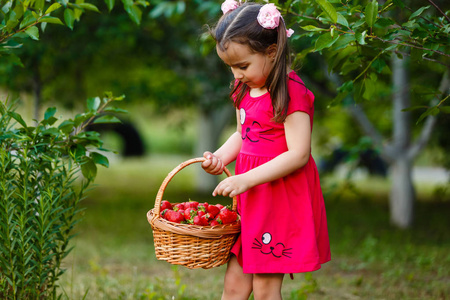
(40, 188)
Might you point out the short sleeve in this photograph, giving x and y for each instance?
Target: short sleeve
(301, 99)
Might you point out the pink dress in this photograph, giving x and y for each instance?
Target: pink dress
(284, 226)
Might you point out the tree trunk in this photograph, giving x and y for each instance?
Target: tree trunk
(37, 91)
(210, 127)
(402, 195)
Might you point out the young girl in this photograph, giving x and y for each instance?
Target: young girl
(283, 220)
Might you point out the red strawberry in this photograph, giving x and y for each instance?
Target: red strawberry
(165, 204)
(203, 206)
(173, 216)
(163, 212)
(214, 223)
(227, 216)
(200, 221)
(220, 206)
(178, 206)
(192, 204)
(201, 213)
(213, 210)
(189, 214)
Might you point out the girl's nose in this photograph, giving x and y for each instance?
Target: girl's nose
(237, 75)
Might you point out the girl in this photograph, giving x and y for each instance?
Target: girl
(283, 221)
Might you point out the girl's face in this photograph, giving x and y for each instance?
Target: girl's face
(249, 67)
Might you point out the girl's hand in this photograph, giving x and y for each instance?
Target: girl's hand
(213, 165)
(232, 186)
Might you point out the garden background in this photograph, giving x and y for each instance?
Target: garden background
(159, 56)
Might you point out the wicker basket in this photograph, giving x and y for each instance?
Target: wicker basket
(191, 246)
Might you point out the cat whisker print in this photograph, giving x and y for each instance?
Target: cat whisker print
(254, 135)
(266, 247)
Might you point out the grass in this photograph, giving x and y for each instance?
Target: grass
(113, 256)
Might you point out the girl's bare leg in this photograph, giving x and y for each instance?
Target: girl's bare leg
(237, 285)
(267, 286)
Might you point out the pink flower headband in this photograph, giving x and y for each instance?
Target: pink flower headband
(268, 17)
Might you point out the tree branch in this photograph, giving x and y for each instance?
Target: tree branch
(430, 122)
(437, 7)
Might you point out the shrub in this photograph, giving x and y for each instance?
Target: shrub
(40, 188)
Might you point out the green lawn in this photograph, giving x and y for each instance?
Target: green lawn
(113, 256)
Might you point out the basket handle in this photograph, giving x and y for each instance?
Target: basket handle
(172, 174)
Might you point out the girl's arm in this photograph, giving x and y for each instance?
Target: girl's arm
(298, 137)
(227, 153)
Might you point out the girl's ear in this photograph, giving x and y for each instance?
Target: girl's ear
(271, 51)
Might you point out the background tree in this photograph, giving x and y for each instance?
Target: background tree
(369, 47)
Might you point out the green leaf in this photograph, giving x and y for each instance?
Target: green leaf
(369, 87)
(33, 32)
(69, 17)
(325, 41)
(134, 13)
(93, 104)
(414, 107)
(371, 13)
(342, 20)
(52, 8)
(18, 118)
(106, 119)
(384, 22)
(50, 112)
(89, 6)
(432, 111)
(360, 37)
(51, 20)
(418, 12)
(329, 10)
(115, 110)
(378, 64)
(343, 42)
(110, 4)
(88, 168)
(39, 5)
(312, 28)
(346, 87)
(66, 126)
(29, 19)
(99, 159)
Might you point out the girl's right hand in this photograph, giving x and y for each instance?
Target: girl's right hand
(213, 165)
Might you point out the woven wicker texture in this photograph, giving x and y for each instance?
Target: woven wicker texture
(188, 245)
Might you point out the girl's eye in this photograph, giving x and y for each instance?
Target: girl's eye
(243, 68)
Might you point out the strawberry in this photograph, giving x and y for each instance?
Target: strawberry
(163, 212)
(226, 216)
(220, 206)
(178, 206)
(192, 204)
(173, 216)
(213, 210)
(214, 223)
(201, 213)
(200, 221)
(165, 204)
(203, 206)
(189, 214)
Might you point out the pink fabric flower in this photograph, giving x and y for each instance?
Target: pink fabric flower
(289, 32)
(229, 5)
(269, 16)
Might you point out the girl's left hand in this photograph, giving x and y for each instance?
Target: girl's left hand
(232, 186)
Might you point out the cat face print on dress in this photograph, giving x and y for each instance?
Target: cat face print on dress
(253, 132)
(268, 246)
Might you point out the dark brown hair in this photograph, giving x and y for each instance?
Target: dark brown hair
(241, 26)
